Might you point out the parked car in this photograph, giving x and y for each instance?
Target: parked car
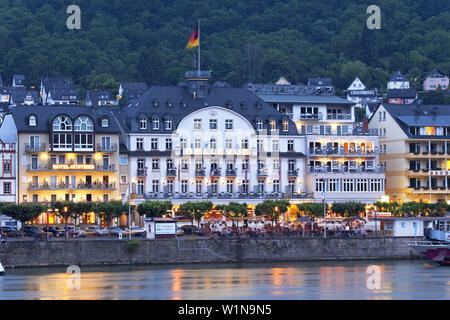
(95, 231)
(56, 231)
(33, 231)
(190, 229)
(180, 231)
(136, 231)
(74, 232)
(115, 231)
(11, 232)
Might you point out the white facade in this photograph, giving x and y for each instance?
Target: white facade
(215, 153)
(357, 84)
(7, 172)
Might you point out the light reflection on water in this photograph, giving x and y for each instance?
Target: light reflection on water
(302, 280)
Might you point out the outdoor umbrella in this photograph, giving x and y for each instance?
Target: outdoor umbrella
(303, 220)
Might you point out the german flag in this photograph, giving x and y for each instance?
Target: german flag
(193, 40)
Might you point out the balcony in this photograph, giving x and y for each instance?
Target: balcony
(35, 147)
(225, 195)
(81, 186)
(309, 116)
(231, 173)
(171, 173)
(344, 152)
(200, 173)
(72, 167)
(345, 116)
(141, 172)
(346, 169)
(293, 173)
(262, 173)
(107, 147)
(216, 173)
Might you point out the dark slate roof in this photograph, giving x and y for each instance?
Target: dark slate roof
(18, 95)
(64, 94)
(402, 93)
(435, 74)
(239, 100)
(4, 107)
(103, 95)
(398, 76)
(133, 90)
(46, 114)
(319, 82)
(419, 115)
(56, 83)
(373, 106)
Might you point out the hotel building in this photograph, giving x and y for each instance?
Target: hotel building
(415, 140)
(339, 157)
(64, 153)
(202, 140)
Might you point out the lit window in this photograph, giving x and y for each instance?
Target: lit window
(285, 125)
(272, 125)
(32, 121)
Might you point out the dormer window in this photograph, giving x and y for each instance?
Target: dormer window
(168, 124)
(62, 123)
(105, 122)
(285, 125)
(84, 123)
(259, 125)
(32, 121)
(155, 124)
(169, 103)
(272, 125)
(143, 123)
(183, 104)
(229, 104)
(155, 103)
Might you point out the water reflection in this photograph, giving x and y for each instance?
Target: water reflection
(312, 280)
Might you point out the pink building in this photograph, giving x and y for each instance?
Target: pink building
(435, 79)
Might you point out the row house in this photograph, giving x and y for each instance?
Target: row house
(340, 160)
(416, 143)
(200, 140)
(7, 171)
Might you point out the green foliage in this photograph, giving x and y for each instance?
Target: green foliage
(272, 208)
(235, 209)
(311, 209)
(241, 41)
(154, 209)
(132, 245)
(348, 209)
(196, 210)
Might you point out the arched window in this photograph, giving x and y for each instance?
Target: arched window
(62, 123)
(32, 121)
(84, 123)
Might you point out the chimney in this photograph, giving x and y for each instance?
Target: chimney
(94, 98)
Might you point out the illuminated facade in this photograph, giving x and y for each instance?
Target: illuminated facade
(340, 158)
(65, 154)
(416, 149)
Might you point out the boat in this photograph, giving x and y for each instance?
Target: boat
(436, 245)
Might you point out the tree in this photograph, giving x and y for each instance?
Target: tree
(272, 209)
(347, 209)
(189, 209)
(236, 209)
(200, 209)
(116, 209)
(154, 209)
(24, 212)
(416, 208)
(311, 209)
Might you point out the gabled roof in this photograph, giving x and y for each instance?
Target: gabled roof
(46, 114)
(373, 106)
(133, 90)
(435, 74)
(402, 93)
(64, 94)
(398, 76)
(419, 115)
(56, 83)
(18, 95)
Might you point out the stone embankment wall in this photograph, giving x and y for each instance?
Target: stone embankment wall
(115, 252)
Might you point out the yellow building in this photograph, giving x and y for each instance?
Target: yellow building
(65, 153)
(415, 147)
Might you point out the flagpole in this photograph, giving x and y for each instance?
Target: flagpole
(129, 208)
(199, 47)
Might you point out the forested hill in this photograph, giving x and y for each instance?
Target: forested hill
(251, 40)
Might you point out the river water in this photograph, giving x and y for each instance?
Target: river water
(301, 280)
